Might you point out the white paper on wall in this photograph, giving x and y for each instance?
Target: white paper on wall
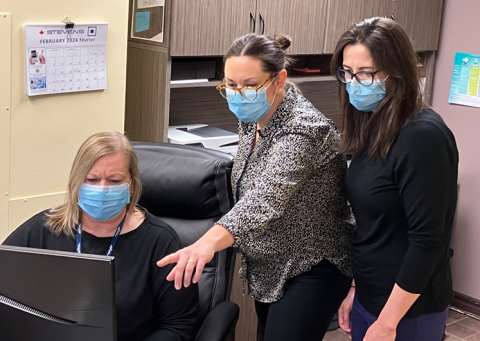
(150, 3)
(60, 60)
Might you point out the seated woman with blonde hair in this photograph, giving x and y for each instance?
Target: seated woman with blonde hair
(100, 216)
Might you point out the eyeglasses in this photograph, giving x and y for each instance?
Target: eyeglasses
(363, 77)
(250, 93)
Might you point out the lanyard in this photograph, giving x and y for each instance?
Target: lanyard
(112, 243)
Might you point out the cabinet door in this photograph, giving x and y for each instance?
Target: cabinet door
(303, 21)
(208, 27)
(344, 13)
(420, 19)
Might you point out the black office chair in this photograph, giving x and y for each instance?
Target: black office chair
(189, 188)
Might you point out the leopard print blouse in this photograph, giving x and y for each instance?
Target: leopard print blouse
(289, 213)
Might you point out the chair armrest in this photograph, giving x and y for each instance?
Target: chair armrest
(219, 322)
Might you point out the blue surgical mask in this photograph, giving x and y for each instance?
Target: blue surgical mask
(251, 111)
(103, 202)
(366, 98)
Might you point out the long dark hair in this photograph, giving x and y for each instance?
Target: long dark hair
(270, 51)
(392, 53)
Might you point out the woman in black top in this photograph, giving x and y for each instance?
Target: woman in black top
(402, 186)
(100, 216)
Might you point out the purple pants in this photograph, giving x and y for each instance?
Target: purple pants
(428, 327)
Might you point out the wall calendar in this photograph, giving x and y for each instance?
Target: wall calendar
(62, 58)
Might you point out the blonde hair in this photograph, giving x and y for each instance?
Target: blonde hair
(63, 218)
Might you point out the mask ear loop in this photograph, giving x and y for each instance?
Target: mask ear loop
(131, 194)
(382, 84)
(275, 95)
(129, 187)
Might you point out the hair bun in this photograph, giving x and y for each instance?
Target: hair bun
(283, 41)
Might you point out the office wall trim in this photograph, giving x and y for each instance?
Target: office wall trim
(466, 303)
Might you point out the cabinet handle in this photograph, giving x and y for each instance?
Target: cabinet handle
(263, 23)
(393, 17)
(252, 17)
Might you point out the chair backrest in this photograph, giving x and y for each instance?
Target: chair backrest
(189, 188)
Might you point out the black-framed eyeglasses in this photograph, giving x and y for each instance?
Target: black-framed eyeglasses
(363, 77)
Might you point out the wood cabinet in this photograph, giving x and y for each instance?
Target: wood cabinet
(303, 21)
(208, 27)
(344, 13)
(420, 19)
(147, 98)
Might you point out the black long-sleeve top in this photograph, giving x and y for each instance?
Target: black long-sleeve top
(404, 206)
(148, 307)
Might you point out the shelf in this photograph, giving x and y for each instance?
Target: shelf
(294, 79)
(317, 78)
(212, 83)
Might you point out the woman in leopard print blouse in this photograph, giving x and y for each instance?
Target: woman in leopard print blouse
(289, 223)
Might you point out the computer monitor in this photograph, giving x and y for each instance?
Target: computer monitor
(56, 296)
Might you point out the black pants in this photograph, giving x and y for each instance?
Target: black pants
(307, 306)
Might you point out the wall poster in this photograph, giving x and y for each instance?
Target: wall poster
(465, 86)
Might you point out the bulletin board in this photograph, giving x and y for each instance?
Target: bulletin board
(148, 20)
(60, 59)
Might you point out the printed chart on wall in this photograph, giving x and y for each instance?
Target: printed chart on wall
(148, 19)
(465, 87)
(60, 60)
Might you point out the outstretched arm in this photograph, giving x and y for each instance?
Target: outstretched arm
(194, 257)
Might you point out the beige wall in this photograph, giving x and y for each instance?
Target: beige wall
(5, 60)
(46, 131)
(460, 34)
